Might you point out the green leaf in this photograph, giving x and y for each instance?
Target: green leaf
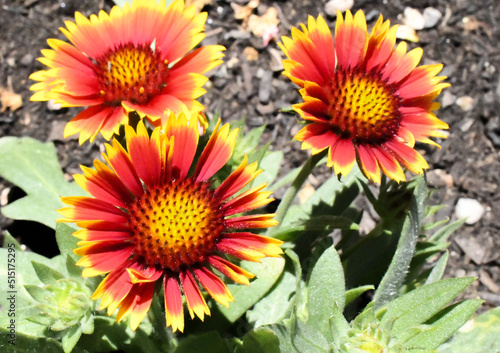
(477, 335)
(25, 343)
(443, 233)
(315, 223)
(438, 269)
(288, 178)
(25, 274)
(262, 340)
(46, 274)
(332, 197)
(308, 339)
(246, 144)
(108, 336)
(73, 270)
(419, 305)
(33, 166)
(270, 166)
(209, 342)
(8, 240)
(37, 293)
(354, 293)
(66, 241)
(326, 288)
(87, 323)
(245, 297)
(70, 338)
(285, 340)
(389, 287)
(338, 325)
(273, 306)
(444, 325)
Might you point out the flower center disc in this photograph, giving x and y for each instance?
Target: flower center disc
(363, 107)
(176, 225)
(131, 73)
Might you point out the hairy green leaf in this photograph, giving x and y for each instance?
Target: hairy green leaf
(393, 279)
(209, 342)
(419, 305)
(354, 293)
(262, 340)
(478, 335)
(245, 297)
(33, 166)
(326, 289)
(444, 325)
(46, 274)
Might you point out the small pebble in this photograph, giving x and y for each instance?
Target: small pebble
(275, 63)
(265, 86)
(332, 6)
(466, 103)
(373, 14)
(413, 18)
(27, 59)
(431, 17)
(439, 178)
(57, 131)
(4, 197)
(447, 99)
(470, 209)
(466, 124)
(11, 62)
(51, 105)
(407, 33)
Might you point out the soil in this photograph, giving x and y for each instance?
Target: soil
(467, 165)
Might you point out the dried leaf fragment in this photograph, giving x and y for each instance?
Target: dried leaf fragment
(10, 100)
(251, 54)
(265, 26)
(198, 4)
(244, 12)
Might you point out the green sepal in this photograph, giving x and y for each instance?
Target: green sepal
(46, 274)
(70, 338)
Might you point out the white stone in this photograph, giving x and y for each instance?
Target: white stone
(405, 32)
(447, 99)
(52, 105)
(466, 103)
(413, 18)
(470, 209)
(332, 6)
(431, 17)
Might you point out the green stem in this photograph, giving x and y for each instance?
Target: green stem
(292, 191)
(166, 338)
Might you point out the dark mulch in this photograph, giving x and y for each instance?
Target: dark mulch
(465, 40)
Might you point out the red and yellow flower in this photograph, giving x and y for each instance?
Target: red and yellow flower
(138, 58)
(364, 100)
(150, 220)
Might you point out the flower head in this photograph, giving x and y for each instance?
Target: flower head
(137, 58)
(151, 220)
(364, 99)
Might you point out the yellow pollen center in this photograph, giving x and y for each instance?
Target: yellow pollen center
(133, 73)
(176, 225)
(363, 107)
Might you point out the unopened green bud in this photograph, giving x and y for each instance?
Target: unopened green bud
(61, 304)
